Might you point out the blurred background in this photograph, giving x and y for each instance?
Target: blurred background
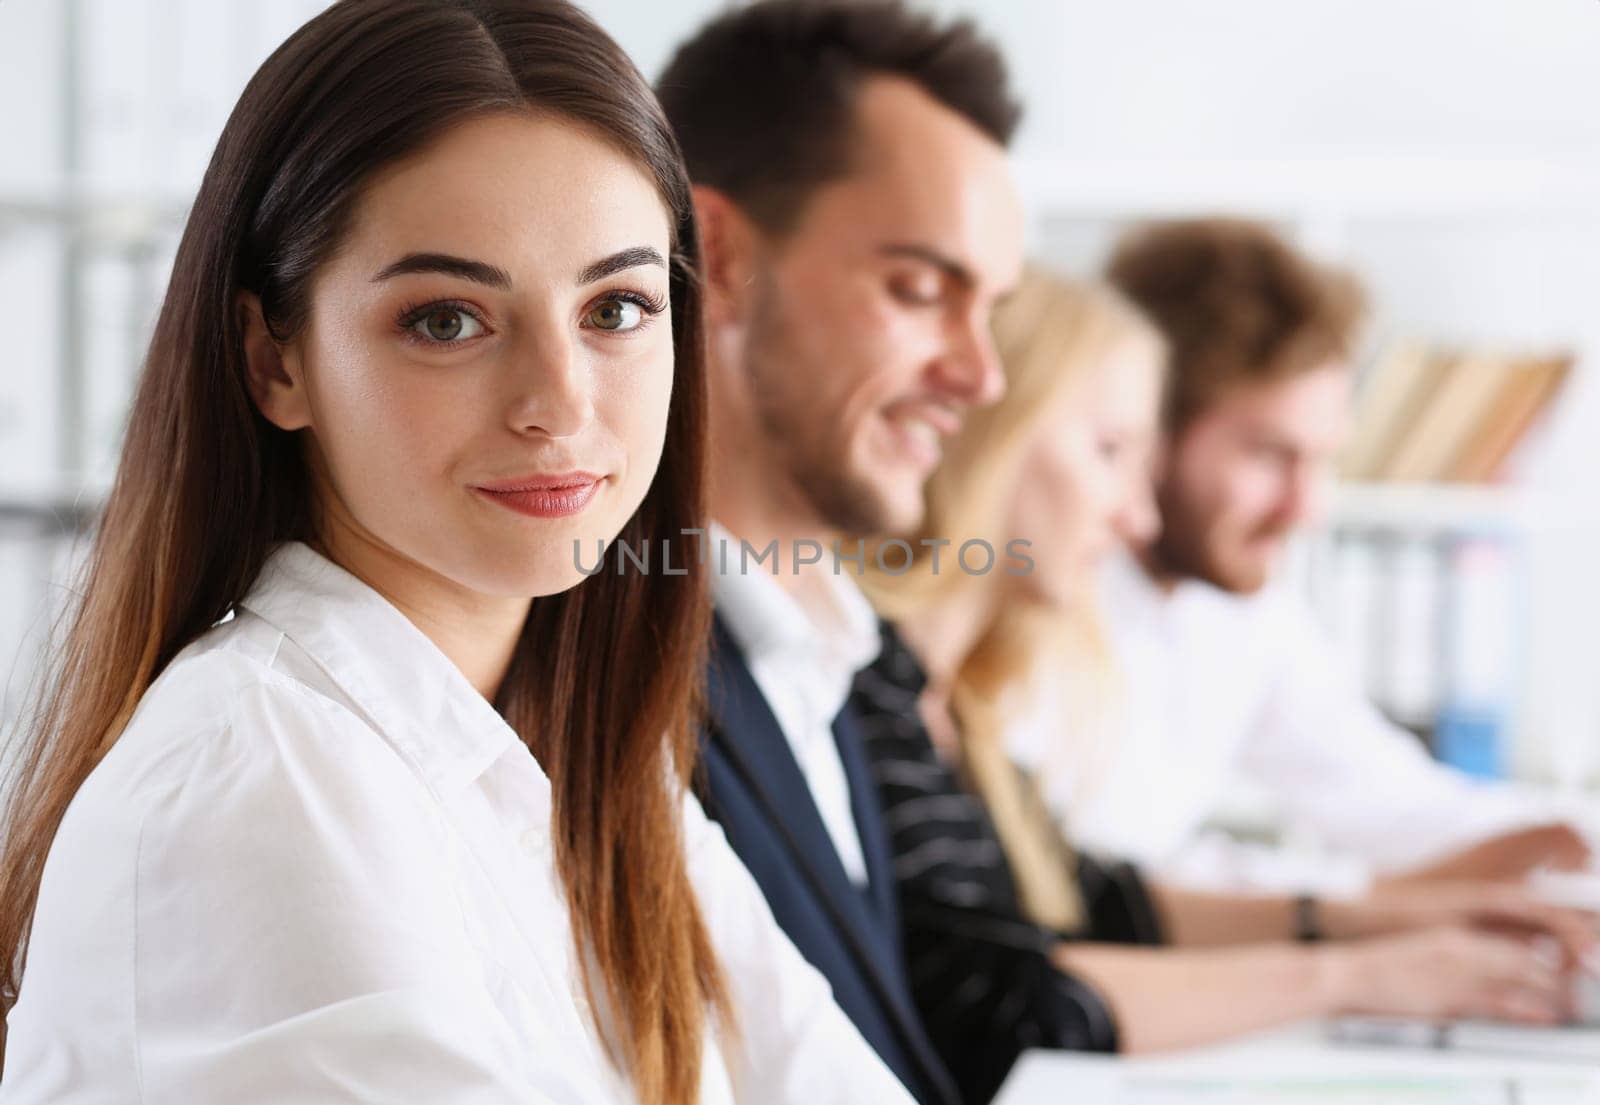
(1448, 154)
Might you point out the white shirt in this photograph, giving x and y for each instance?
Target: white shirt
(804, 664)
(317, 866)
(1224, 692)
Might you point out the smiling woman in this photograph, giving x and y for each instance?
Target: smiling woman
(347, 783)
(503, 294)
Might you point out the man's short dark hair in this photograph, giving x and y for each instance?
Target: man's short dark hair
(763, 98)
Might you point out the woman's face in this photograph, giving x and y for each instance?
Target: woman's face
(1085, 480)
(487, 366)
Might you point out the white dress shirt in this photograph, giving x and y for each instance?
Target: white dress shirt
(1225, 693)
(804, 664)
(316, 867)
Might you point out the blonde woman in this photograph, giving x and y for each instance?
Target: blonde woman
(1002, 919)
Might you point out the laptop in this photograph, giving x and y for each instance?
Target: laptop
(1575, 1043)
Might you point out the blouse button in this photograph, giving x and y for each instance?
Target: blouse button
(534, 843)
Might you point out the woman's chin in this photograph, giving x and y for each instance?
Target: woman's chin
(534, 581)
(520, 570)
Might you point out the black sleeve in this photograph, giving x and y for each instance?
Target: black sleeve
(987, 991)
(981, 974)
(1119, 904)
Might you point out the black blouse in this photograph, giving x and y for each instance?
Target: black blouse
(980, 972)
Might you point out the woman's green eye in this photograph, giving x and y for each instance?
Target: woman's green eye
(447, 325)
(616, 314)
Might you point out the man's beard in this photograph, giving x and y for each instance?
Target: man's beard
(803, 439)
(1186, 548)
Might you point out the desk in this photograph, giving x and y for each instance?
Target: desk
(1300, 1065)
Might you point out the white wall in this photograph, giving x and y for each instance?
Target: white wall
(1261, 78)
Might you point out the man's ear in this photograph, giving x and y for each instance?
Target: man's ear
(730, 246)
(272, 373)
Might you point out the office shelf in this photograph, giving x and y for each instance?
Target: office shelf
(1422, 508)
(48, 511)
(102, 219)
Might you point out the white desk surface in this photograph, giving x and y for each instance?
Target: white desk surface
(1236, 1071)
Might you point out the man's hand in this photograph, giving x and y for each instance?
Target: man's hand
(1509, 857)
(1450, 973)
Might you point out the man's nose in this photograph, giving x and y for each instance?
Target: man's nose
(1305, 495)
(973, 367)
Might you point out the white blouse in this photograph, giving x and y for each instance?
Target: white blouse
(316, 867)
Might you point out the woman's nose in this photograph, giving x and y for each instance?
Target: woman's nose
(1139, 520)
(552, 389)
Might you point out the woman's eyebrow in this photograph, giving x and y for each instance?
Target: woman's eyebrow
(617, 262)
(477, 271)
(482, 272)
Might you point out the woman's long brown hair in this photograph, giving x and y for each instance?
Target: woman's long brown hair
(605, 675)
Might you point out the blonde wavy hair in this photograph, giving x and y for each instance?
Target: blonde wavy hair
(1051, 335)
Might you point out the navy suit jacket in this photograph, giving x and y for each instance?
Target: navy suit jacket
(752, 786)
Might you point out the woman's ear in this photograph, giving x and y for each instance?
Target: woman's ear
(729, 243)
(272, 373)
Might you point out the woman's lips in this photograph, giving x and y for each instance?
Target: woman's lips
(558, 496)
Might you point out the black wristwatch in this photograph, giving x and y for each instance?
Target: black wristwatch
(1308, 919)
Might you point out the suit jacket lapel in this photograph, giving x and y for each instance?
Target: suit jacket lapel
(745, 731)
(748, 733)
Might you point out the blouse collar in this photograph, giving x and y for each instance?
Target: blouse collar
(388, 667)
